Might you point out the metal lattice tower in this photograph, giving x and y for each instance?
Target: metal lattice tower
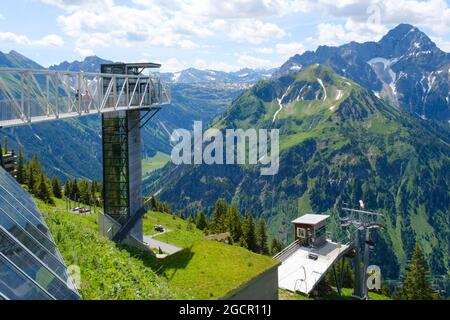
(361, 220)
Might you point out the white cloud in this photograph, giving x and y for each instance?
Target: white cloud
(49, 40)
(167, 24)
(248, 30)
(337, 34)
(84, 52)
(285, 49)
(188, 24)
(441, 43)
(255, 63)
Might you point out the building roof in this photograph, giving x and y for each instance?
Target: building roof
(311, 218)
(300, 273)
(135, 65)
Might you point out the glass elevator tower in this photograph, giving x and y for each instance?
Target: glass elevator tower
(122, 166)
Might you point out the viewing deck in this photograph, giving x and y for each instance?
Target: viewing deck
(299, 273)
(28, 96)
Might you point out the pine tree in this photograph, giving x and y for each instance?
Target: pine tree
(84, 192)
(181, 215)
(56, 185)
(152, 203)
(348, 277)
(93, 193)
(234, 223)
(202, 222)
(218, 217)
(276, 246)
(68, 189)
(5, 144)
(33, 172)
(416, 284)
(31, 177)
(44, 192)
(261, 237)
(75, 191)
(20, 168)
(248, 239)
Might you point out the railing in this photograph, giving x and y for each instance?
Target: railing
(40, 95)
(286, 252)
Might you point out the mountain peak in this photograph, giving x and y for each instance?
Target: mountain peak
(404, 38)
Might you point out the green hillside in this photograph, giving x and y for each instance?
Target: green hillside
(340, 144)
(204, 269)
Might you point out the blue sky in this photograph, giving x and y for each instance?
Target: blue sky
(221, 35)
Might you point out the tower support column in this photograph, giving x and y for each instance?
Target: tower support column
(122, 175)
(136, 202)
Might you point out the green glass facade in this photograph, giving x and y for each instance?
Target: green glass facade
(115, 165)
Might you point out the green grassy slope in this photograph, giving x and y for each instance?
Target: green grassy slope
(107, 270)
(346, 295)
(150, 164)
(202, 270)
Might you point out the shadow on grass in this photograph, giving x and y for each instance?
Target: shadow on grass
(167, 266)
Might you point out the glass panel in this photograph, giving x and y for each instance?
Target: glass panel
(115, 165)
(321, 232)
(39, 251)
(14, 285)
(25, 224)
(15, 189)
(34, 269)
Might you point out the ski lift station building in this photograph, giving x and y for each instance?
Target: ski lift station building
(306, 261)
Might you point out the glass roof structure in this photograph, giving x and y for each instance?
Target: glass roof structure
(31, 267)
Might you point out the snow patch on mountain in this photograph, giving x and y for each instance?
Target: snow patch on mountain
(323, 87)
(280, 103)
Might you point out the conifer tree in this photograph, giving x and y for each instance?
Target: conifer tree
(68, 189)
(248, 239)
(261, 237)
(31, 178)
(43, 191)
(191, 219)
(84, 192)
(276, 246)
(20, 168)
(234, 223)
(202, 222)
(56, 186)
(75, 191)
(218, 217)
(93, 192)
(5, 144)
(416, 284)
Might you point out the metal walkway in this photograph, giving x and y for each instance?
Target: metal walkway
(29, 96)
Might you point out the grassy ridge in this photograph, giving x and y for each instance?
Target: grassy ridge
(108, 271)
(202, 270)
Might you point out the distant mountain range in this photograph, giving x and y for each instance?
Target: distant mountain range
(192, 75)
(339, 143)
(89, 64)
(187, 76)
(405, 68)
(72, 148)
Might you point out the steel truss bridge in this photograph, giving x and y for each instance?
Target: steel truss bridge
(28, 95)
